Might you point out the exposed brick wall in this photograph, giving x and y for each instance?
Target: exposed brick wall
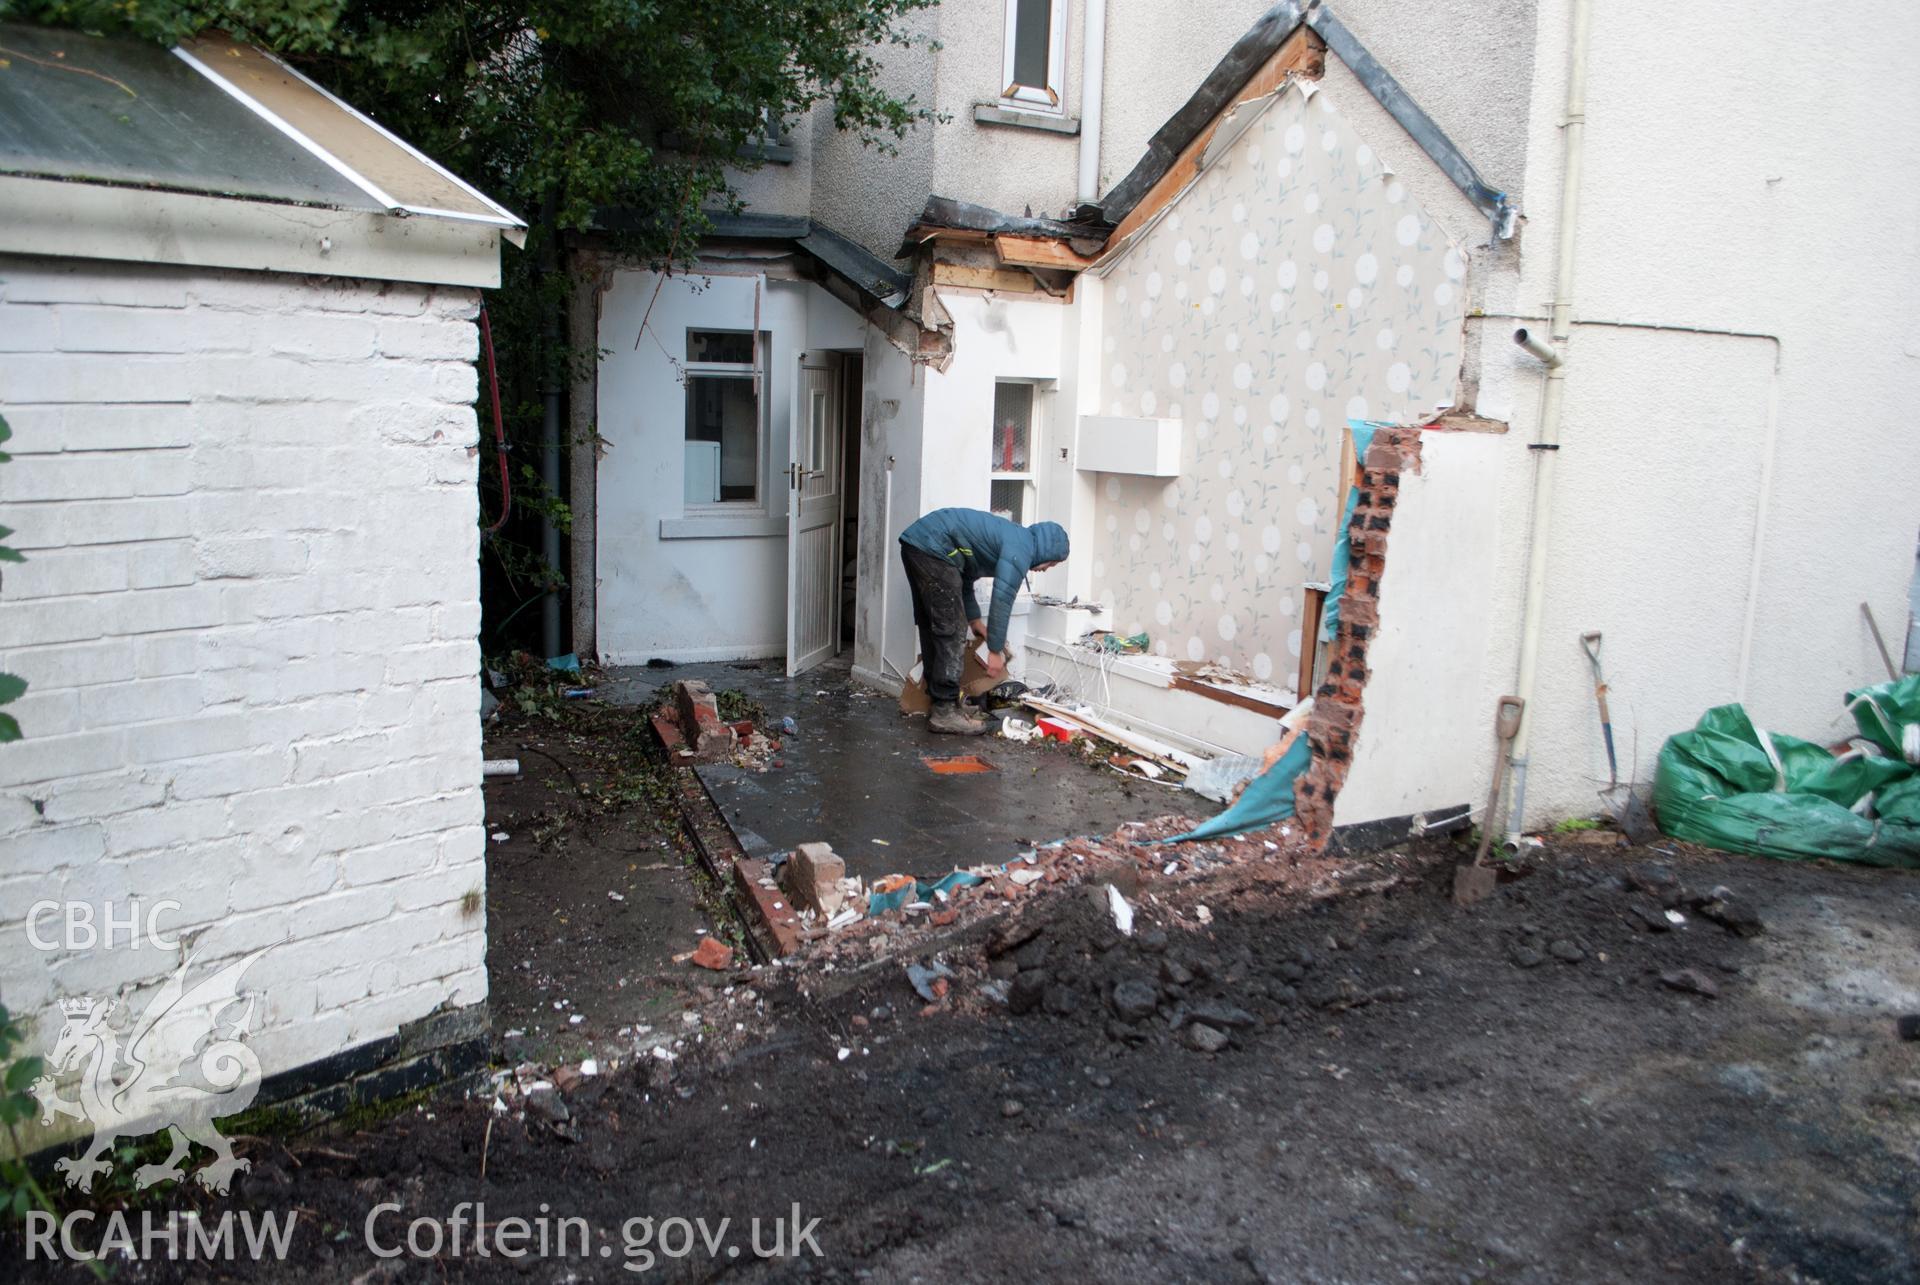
(1334, 726)
(249, 618)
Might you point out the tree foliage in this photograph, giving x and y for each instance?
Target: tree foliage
(559, 109)
(589, 103)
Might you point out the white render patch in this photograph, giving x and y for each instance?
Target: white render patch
(248, 618)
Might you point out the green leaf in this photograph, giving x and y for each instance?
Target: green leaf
(9, 728)
(12, 688)
(22, 1074)
(11, 555)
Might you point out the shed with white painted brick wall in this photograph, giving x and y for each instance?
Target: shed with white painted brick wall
(243, 480)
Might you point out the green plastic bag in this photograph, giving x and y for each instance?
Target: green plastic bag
(1728, 785)
(1889, 716)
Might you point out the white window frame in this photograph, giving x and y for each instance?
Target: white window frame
(757, 372)
(1050, 98)
(1028, 479)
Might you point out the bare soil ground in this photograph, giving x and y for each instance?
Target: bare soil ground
(1407, 1090)
(592, 889)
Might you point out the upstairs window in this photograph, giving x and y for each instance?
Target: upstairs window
(1036, 55)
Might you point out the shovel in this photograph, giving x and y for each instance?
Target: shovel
(1611, 796)
(1475, 880)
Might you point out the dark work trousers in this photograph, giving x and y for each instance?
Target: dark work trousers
(941, 618)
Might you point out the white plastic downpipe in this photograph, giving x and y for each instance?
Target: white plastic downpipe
(1547, 444)
(1093, 70)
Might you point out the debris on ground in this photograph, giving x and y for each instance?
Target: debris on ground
(690, 727)
(1691, 980)
(886, 914)
(813, 878)
(712, 953)
(930, 981)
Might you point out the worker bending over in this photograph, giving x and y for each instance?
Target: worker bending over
(944, 553)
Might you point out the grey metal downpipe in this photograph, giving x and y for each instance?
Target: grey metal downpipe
(550, 395)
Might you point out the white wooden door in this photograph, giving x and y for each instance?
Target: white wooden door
(813, 516)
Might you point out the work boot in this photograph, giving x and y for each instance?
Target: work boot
(955, 721)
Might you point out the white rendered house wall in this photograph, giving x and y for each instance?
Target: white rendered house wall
(696, 582)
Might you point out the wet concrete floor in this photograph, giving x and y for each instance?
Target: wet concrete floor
(854, 776)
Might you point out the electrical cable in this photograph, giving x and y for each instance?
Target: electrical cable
(499, 432)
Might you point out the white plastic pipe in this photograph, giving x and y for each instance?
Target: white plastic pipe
(1573, 139)
(1093, 70)
(1538, 347)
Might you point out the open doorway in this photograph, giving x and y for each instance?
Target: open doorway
(823, 508)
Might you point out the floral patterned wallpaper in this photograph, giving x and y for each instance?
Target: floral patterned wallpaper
(1294, 286)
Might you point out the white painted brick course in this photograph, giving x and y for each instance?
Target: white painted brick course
(132, 426)
(20, 894)
(431, 339)
(71, 666)
(94, 476)
(40, 851)
(376, 863)
(233, 935)
(65, 281)
(432, 963)
(47, 712)
(250, 557)
(84, 523)
(419, 422)
(381, 1016)
(68, 378)
(99, 569)
(17, 812)
(28, 328)
(270, 881)
(164, 827)
(321, 337)
(249, 623)
(81, 798)
(54, 757)
(160, 654)
(100, 973)
(221, 776)
(142, 700)
(56, 620)
(85, 328)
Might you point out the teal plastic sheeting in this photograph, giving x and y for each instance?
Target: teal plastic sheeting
(1342, 551)
(1730, 785)
(880, 902)
(1267, 800)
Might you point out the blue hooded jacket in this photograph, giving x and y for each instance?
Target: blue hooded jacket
(982, 544)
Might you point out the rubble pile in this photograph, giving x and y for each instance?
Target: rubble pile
(691, 732)
(882, 916)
